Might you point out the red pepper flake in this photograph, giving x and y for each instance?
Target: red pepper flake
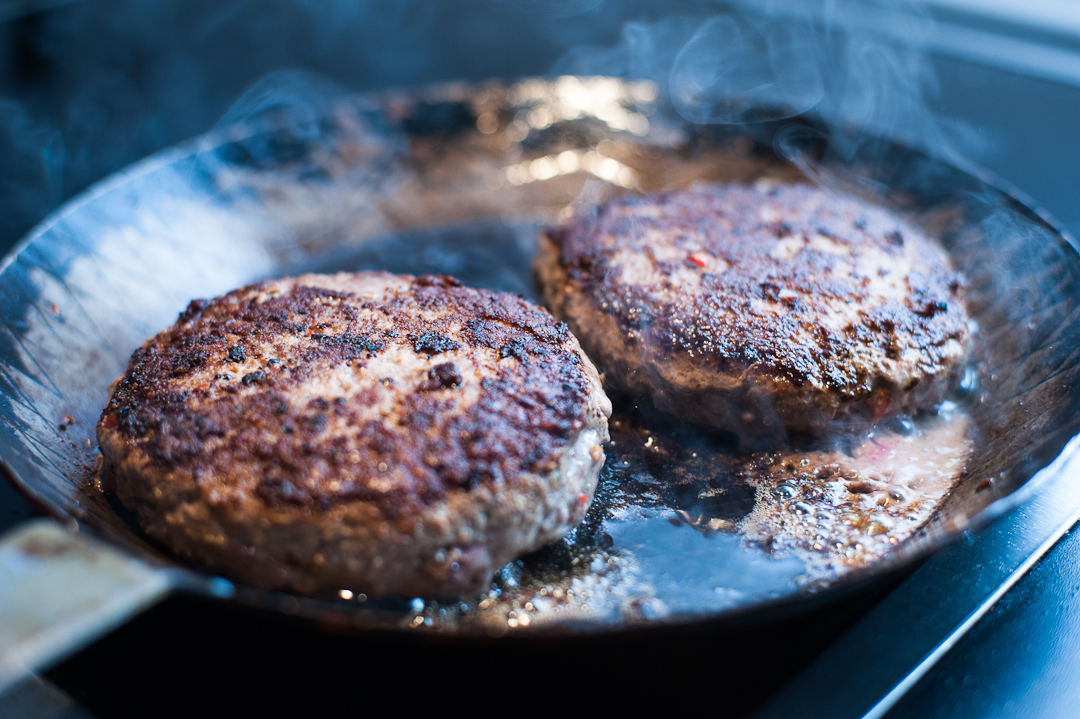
(698, 258)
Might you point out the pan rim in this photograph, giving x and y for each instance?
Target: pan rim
(220, 137)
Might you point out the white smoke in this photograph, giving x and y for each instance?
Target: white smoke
(861, 68)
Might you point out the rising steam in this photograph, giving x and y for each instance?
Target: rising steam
(732, 72)
(774, 60)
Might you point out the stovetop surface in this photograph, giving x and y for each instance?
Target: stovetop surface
(1011, 630)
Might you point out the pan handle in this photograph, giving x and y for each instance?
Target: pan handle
(60, 589)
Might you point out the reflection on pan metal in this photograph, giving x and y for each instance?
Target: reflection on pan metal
(457, 179)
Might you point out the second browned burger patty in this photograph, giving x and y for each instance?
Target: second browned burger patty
(376, 432)
(766, 311)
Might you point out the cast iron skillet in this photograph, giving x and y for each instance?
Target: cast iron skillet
(456, 179)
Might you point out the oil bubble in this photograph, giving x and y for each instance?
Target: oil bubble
(901, 425)
(970, 381)
(784, 491)
(876, 527)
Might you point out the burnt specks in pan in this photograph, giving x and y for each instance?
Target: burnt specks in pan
(359, 354)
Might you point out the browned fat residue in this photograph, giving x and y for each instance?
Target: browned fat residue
(306, 397)
(838, 512)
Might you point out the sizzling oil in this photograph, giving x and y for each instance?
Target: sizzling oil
(682, 527)
(837, 512)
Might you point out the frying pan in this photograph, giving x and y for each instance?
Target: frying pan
(457, 179)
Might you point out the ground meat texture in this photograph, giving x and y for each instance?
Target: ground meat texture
(361, 431)
(769, 311)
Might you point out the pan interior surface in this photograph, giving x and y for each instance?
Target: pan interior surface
(458, 180)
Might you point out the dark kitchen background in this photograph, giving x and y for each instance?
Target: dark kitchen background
(89, 86)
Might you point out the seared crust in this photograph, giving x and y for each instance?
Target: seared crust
(764, 311)
(377, 432)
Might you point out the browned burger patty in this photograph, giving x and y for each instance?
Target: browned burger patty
(765, 311)
(377, 432)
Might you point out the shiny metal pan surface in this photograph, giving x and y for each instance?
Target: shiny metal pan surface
(458, 179)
